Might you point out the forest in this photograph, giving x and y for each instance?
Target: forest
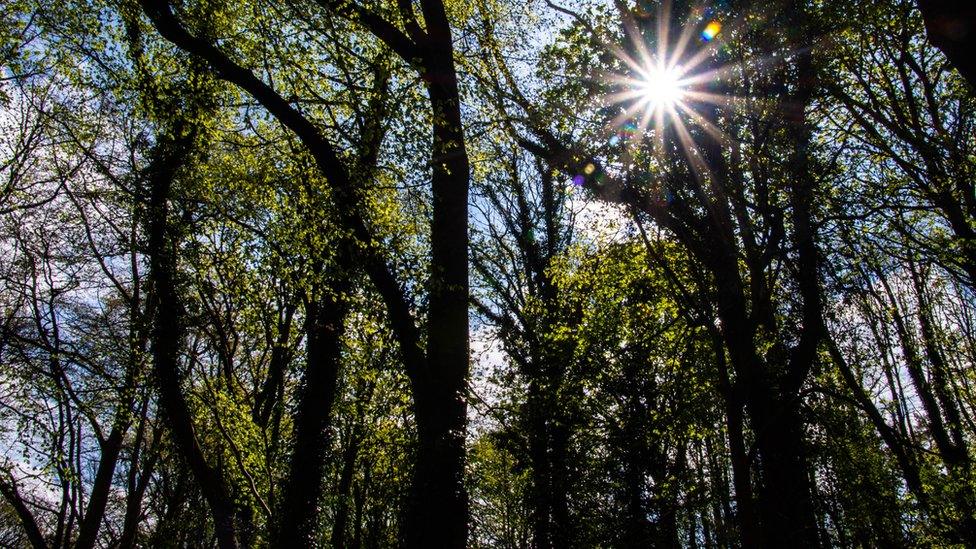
(487, 273)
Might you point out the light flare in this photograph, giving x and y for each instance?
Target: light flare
(665, 84)
(711, 31)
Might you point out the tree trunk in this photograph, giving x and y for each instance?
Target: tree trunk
(903, 456)
(341, 522)
(325, 324)
(951, 27)
(438, 513)
(538, 445)
(563, 533)
(745, 506)
(102, 484)
(785, 503)
(31, 528)
(167, 338)
(438, 509)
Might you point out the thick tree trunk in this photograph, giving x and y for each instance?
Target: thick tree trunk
(438, 510)
(638, 528)
(785, 503)
(787, 508)
(438, 513)
(951, 27)
(664, 502)
(563, 534)
(31, 528)
(538, 445)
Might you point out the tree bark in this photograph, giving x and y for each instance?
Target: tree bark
(438, 514)
(325, 324)
(951, 27)
(538, 446)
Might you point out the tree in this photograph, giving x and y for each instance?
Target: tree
(438, 374)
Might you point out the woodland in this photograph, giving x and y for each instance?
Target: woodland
(487, 273)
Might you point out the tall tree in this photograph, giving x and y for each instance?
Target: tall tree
(437, 374)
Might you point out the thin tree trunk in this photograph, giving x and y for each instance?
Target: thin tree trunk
(903, 456)
(325, 324)
(102, 484)
(745, 509)
(341, 522)
(167, 338)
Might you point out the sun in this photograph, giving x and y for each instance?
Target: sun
(661, 87)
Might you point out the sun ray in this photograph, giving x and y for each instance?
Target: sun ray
(687, 31)
(645, 122)
(710, 128)
(663, 29)
(634, 143)
(711, 98)
(637, 40)
(659, 134)
(629, 113)
(634, 64)
(694, 157)
(702, 55)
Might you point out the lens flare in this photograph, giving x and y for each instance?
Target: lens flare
(669, 91)
(711, 31)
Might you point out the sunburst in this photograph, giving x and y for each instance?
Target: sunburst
(667, 87)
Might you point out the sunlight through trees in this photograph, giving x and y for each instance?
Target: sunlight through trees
(495, 273)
